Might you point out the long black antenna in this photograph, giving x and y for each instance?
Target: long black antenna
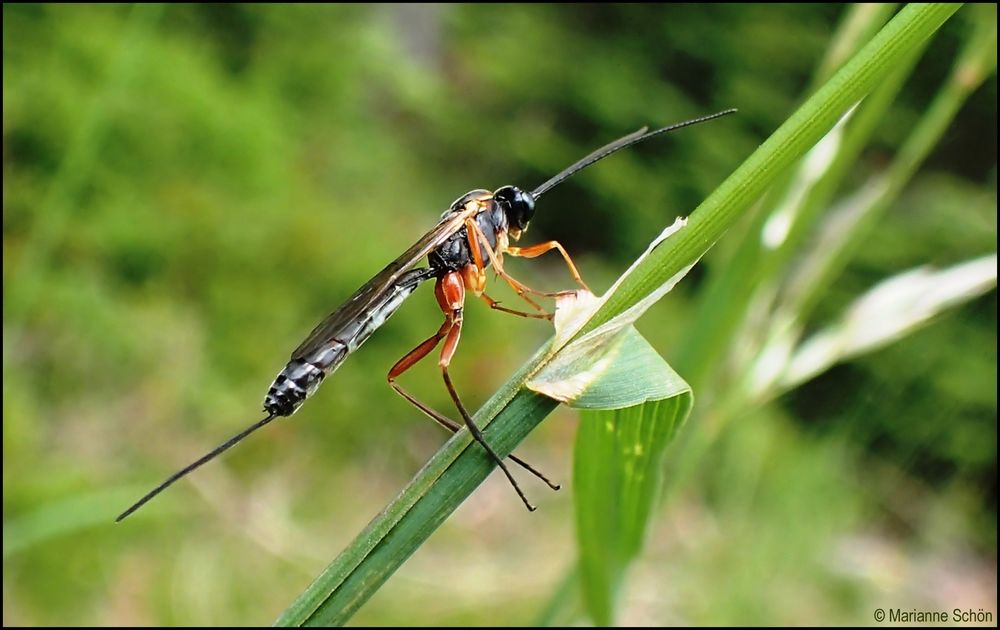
(617, 145)
(183, 471)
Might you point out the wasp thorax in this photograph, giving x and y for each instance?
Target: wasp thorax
(518, 205)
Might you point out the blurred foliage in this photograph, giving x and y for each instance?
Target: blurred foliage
(188, 189)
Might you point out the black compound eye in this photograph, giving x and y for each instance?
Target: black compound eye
(517, 204)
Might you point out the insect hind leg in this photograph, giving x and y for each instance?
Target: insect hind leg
(453, 427)
(450, 345)
(451, 330)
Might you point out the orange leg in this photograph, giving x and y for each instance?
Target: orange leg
(534, 251)
(450, 292)
(475, 276)
(453, 427)
(475, 233)
(450, 344)
(414, 356)
(495, 258)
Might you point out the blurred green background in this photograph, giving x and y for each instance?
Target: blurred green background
(189, 189)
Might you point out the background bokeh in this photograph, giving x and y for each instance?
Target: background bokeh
(188, 189)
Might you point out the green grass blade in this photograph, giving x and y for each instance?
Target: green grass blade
(438, 489)
(634, 402)
(872, 65)
(890, 310)
(617, 474)
(730, 284)
(859, 25)
(974, 65)
(629, 373)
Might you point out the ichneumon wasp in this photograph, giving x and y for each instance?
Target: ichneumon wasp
(474, 233)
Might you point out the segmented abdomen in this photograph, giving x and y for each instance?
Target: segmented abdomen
(302, 376)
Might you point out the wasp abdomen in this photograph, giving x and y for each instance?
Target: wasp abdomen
(303, 374)
(300, 378)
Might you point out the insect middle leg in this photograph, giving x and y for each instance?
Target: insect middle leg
(495, 305)
(450, 293)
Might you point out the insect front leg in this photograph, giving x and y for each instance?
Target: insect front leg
(534, 251)
(477, 238)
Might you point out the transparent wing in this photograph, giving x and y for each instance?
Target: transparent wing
(371, 294)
